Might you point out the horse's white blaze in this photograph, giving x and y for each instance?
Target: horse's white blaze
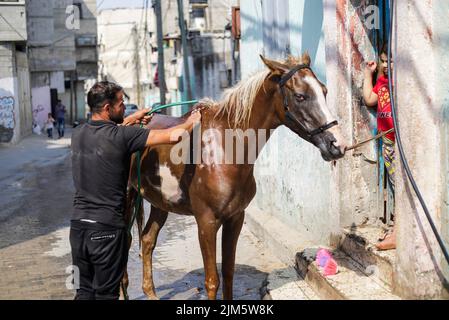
(313, 83)
(169, 185)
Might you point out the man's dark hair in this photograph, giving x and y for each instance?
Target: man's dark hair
(102, 93)
(59, 101)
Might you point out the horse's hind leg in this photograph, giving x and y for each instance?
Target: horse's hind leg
(149, 238)
(230, 236)
(208, 226)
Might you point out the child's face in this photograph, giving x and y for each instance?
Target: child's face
(384, 64)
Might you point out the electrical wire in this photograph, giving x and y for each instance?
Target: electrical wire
(399, 141)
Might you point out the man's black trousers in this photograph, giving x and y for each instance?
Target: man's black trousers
(100, 253)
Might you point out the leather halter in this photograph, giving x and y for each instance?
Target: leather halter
(288, 114)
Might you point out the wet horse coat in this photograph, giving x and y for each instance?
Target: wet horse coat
(217, 194)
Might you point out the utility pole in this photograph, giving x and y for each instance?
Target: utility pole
(160, 50)
(146, 44)
(185, 51)
(72, 95)
(137, 62)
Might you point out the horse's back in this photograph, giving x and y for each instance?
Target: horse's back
(161, 121)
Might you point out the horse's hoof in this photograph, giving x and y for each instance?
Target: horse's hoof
(153, 297)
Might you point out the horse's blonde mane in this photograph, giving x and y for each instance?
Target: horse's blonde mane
(238, 101)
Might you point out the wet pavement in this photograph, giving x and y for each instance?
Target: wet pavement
(36, 201)
(178, 264)
(36, 185)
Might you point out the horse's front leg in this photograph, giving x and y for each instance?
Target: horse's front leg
(230, 236)
(208, 226)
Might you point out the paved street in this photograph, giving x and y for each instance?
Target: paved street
(36, 198)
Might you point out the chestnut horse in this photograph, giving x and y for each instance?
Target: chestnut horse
(217, 194)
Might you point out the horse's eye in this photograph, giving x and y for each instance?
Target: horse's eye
(300, 97)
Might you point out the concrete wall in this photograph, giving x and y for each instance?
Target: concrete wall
(422, 65)
(51, 43)
(252, 37)
(8, 93)
(15, 107)
(24, 94)
(348, 46)
(87, 56)
(14, 94)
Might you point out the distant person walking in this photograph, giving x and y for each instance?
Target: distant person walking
(60, 117)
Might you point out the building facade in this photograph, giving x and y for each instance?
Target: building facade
(129, 50)
(62, 50)
(125, 54)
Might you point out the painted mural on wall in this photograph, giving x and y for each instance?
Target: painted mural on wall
(7, 122)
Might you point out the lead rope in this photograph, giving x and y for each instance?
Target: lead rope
(380, 135)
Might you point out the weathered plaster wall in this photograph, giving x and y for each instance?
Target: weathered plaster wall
(347, 48)
(422, 65)
(9, 108)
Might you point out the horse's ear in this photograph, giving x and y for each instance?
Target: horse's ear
(274, 66)
(306, 58)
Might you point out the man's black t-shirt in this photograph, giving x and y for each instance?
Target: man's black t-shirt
(101, 155)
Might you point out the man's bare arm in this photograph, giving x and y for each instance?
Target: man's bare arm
(137, 118)
(172, 135)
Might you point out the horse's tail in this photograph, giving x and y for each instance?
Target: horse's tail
(134, 202)
(140, 220)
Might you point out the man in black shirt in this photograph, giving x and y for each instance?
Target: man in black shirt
(101, 154)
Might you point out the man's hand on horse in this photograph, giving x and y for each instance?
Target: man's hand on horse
(193, 119)
(140, 117)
